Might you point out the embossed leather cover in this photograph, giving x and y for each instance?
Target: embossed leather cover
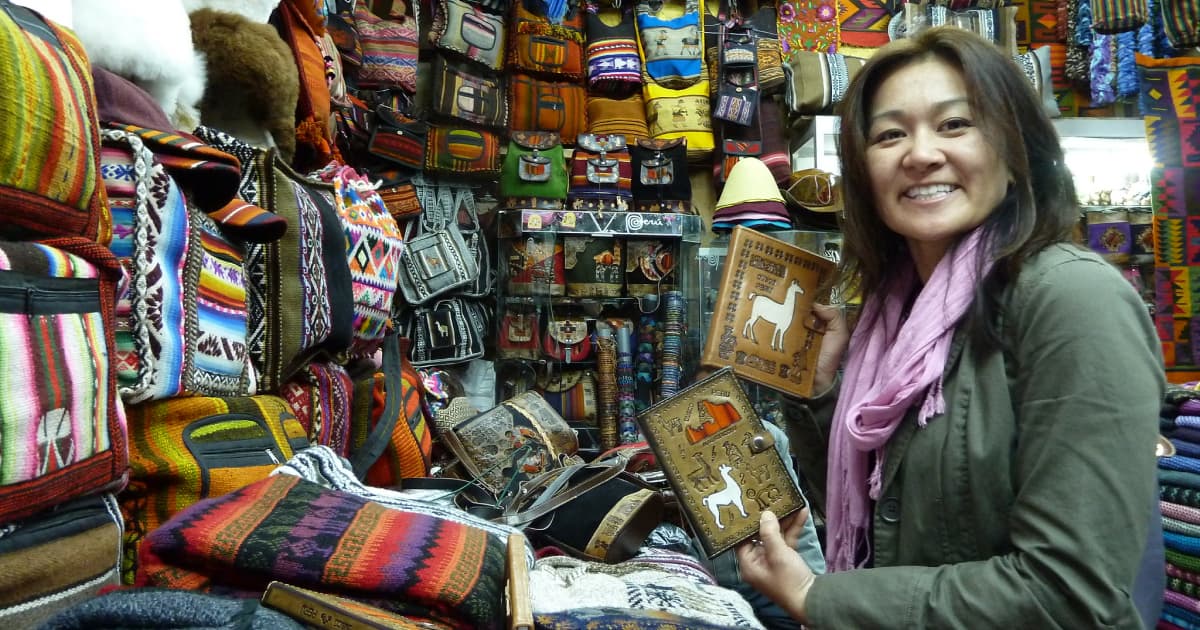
(720, 460)
(762, 324)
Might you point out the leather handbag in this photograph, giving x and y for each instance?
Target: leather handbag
(538, 105)
(466, 28)
(447, 331)
(462, 92)
(513, 442)
(436, 259)
(613, 116)
(567, 340)
(549, 47)
(535, 171)
(594, 266)
(683, 113)
(660, 180)
(464, 152)
(595, 511)
(535, 266)
(600, 173)
(399, 138)
(520, 334)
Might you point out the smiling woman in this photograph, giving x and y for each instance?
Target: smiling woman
(969, 452)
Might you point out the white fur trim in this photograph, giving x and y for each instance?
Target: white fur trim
(257, 10)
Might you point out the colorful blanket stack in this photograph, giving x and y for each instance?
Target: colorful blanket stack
(1179, 490)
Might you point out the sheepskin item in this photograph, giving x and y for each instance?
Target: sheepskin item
(254, 10)
(253, 82)
(154, 50)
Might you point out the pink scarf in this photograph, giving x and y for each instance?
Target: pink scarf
(892, 362)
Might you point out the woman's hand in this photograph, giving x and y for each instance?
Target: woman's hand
(773, 567)
(832, 318)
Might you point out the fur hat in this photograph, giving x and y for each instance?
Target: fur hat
(253, 82)
(153, 48)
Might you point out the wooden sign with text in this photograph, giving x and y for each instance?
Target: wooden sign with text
(762, 325)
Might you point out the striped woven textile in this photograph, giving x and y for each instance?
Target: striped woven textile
(284, 528)
(410, 445)
(389, 51)
(1180, 512)
(210, 178)
(47, 120)
(320, 396)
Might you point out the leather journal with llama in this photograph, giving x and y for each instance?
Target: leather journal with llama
(720, 460)
(762, 325)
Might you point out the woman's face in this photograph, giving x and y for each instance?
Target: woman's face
(934, 177)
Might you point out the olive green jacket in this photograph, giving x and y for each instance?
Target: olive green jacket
(1026, 504)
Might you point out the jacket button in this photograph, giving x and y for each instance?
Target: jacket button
(889, 510)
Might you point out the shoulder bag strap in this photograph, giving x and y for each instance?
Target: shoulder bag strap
(381, 435)
(555, 496)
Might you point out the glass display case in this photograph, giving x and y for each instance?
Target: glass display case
(571, 285)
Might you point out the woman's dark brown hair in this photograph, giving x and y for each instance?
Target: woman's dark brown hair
(1040, 207)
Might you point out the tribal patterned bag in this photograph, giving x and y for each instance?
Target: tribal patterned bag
(548, 46)
(539, 105)
(468, 29)
(600, 173)
(458, 151)
(462, 92)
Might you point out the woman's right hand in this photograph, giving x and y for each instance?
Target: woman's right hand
(833, 344)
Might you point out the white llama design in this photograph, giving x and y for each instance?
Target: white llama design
(774, 312)
(731, 494)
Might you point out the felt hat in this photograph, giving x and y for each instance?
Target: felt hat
(815, 190)
(751, 198)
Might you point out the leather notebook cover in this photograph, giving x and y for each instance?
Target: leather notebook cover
(322, 610)
(762, 324)
(720, 460)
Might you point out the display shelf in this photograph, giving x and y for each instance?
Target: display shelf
(590, 223)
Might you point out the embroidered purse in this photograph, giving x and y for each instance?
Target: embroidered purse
(458, 151)
(389, 50)
(672, 48)
(681, 113)
(737, 90)
(600, 173)
(520, 334)
(572, 393)
(539, 105)
(613, 64)
(660, 180)
(450, 330)
(435, 259)
(818, 81)
(535, 171)
(399, 138)
(551, 47)
(463, 93)
(567, 340)
(612, 116)
(466, 28)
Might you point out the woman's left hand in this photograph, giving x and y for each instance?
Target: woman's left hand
(773, 567)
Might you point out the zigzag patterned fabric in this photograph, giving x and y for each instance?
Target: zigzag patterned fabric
(284, 528)
(1169, 97)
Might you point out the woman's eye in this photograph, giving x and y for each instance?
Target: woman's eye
(886, 135)
(955, 124)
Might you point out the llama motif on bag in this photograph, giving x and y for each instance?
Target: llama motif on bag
(671, 41)
(601, 173)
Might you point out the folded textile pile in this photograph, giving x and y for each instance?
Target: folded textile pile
(1179, 491)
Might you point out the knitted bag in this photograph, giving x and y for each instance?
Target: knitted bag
(550, 45)
(62, 429)
(59, 558)
(458, 151)
(600, 173)
(287, 529)
(390, 437)
(626, 116)
(465, 27)
(389, 50)
(47, 119)
(298, 289)
(464, 92)
(373, 249)
(166, 609)
(183, 450)
(535, 171)
(538, 105)
(613, 64)
(320, 396)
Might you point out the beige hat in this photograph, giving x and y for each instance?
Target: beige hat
(751, 198)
